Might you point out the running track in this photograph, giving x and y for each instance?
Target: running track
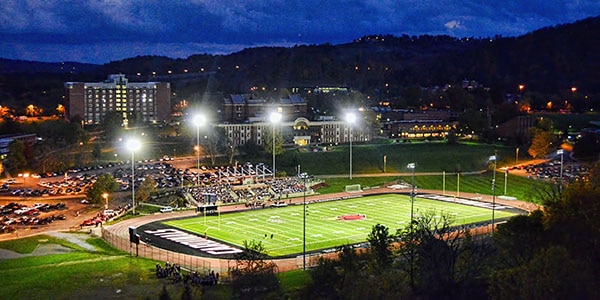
(118, 234)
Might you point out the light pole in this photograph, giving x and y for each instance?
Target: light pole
(133, 145)
(561, 152)
(494, 159)
(350, 118)
(304, 176)
(412, 166)
(275, 118)
(505, 180)
(105, 196)
(198, 121)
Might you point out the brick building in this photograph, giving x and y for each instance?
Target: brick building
(144, 101)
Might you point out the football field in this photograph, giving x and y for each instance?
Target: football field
(281, 229)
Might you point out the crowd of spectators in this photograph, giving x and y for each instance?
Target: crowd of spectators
(176, 274)
(267, 190)
(222, 192)
(287, 185)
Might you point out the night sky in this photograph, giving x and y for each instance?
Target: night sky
(99, 31)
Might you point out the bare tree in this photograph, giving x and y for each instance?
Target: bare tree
(254, 274)
(438, 252)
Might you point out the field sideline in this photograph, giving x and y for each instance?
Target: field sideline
(281, 229)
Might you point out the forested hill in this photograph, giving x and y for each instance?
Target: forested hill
(548, 60)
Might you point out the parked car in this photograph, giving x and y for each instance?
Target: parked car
(166, 209)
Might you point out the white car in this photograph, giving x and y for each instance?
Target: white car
(166, 209)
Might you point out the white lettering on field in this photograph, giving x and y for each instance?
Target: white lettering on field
(193, 241)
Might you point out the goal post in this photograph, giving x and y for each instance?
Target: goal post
(353, 188)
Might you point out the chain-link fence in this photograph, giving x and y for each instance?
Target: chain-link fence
(202, 265)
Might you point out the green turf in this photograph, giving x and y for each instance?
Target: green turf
(323, 230)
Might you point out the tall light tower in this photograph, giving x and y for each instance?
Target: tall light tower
(133, 145)
(304, 176)
(198, 121)
(350, 118)
(412, 167)
(275, 117)
(561, 152)
(494, 159)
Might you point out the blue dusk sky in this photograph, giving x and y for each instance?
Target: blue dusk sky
(100, 31)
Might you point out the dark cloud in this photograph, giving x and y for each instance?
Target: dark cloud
(56, 30)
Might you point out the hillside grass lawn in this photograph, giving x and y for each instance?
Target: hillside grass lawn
(105, 273)
(435, 156)
(323, 229)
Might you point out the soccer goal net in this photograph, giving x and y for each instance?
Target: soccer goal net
(353, 188)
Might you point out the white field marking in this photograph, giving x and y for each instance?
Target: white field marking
(352, 206)
(314, 211)
(253, 219)
(317, 235)
(401, 222)
(338, 232)
(369, 204)
(359, 228)
(274, 217)
(230, 222)
(293, 239)
(333, 208)
(294, 214)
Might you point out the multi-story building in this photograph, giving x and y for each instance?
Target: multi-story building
(143, 101)
(420, 124)
(26, 138)
(245, 107)
(418, 129)
(299, 131)
(245, 118)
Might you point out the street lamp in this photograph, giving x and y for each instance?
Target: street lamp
(198, 121)
(350, 118)
(412, 167)
(304, 176)
(133, 145)
(275, 118)
(494, 159)
(105, 196)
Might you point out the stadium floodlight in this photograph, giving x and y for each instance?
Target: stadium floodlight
(350, 118)
(198, 120)
(412, 167)
(494, 159)
(561, 152)
(133, 145)
(304, 176)
(275, 117)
